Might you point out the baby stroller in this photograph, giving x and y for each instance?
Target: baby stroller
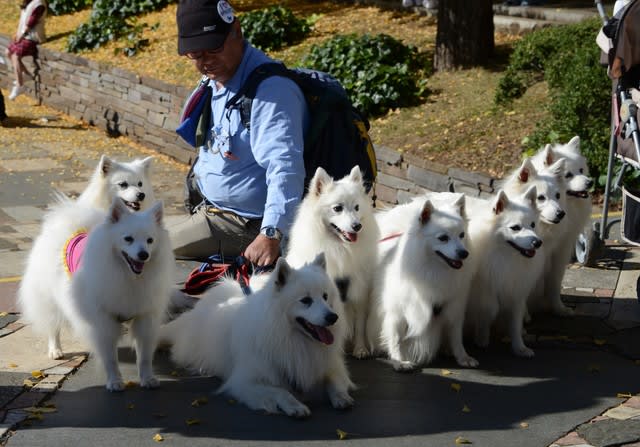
(619, 39)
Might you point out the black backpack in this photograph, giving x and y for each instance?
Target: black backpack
(337, 138)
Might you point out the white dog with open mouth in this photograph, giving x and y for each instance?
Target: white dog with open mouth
(287, 335)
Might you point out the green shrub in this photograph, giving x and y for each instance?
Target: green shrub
(568, 59)
(61, 7)
(273, 28)
(108, 22)
(378, 72)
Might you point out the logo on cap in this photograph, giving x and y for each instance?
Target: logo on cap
(225, 11)
(208, 28)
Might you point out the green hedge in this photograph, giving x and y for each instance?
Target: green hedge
(273, 28)
(377, 71)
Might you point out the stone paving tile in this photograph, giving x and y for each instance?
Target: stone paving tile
(623, 412)
(633, 402)
(50, 383)
(7, 296)
(27, 165)
(570, 439)
(25, 213)
(27, 399)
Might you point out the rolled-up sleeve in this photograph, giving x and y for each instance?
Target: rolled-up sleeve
(278, 119)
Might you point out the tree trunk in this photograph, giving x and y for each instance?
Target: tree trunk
(465, 34)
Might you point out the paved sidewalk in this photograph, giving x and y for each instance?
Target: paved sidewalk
(580, 389)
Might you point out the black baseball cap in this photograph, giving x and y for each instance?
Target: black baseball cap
(203, 24)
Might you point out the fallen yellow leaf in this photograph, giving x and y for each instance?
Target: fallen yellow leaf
(12, 365)
(4, 314)
(624, 395)
(199, 401)
(445, 372)
(342, 435)
(40, 410)
(524, 425)
(130, 384)
(158, 437)
(193, 421)
(599, 341)
(456, 387)
(28, 383)
(460, 440)
(131, 406)
(37, 374)
(466, 409)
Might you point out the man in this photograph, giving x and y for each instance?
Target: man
(251, 180)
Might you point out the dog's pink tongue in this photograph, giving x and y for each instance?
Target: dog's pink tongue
(351, 236)
(324, 335)
(137, 266)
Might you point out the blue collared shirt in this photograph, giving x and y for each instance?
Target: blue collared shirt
(256, 174)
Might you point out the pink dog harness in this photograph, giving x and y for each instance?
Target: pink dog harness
(73, 249)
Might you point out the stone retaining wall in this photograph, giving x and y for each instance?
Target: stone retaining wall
(147, 111)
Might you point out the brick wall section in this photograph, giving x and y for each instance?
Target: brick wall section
(147, 111)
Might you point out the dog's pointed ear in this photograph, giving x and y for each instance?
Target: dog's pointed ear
(531, 195)
(321, 261)
(281, 273)
(157, 211)
(574, 145)
(319, 182)
(105, 165)
(547, 155)
(425, 213)
(460, 203)
(356, 175)
(146, 163)
(558, 168)
(117, 210)
(526, 171)
(500, 202)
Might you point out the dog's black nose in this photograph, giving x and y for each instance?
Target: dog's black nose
(143, 255)
(331, 318)
(537, 243)
(462, 254)
(560, 214)
(141, 196)
(356, 226)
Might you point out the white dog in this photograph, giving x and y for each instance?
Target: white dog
(286, 335)
(128, 180)
(336, 218)
(503, 230)
(578, 208)
(551, 202)
(425, 281)
(125, 274)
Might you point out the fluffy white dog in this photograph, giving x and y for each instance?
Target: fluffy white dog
(125, 274)
(336, 218)
(503, 231)
(425, 281)
(286, 335)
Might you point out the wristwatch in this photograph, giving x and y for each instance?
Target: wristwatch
(271, 232)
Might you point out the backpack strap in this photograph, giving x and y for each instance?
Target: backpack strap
(244, 98)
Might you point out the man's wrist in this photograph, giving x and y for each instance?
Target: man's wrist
(271, 232)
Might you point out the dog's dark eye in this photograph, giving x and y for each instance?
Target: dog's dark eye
(569, 175)
(150, 240)
(337, 208)
(557, 195)
(515, 228)
(128, 239)
(462, 235)
(123, 185)
(443, 238)
(542, 198)
(307, 301)
(325, 296)
(140, 184)
(357, 207)
(533, 224)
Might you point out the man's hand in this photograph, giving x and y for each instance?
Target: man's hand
(263, 251)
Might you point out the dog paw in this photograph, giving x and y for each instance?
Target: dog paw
(467, 361)
(56, 354)
(297, 410)
(149, 382)
(563, 311)
(404, 366)
(341, 401)
(115, 385)
(523, 351)
(360, 352)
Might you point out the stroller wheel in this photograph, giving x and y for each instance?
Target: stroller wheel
(587, 247)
